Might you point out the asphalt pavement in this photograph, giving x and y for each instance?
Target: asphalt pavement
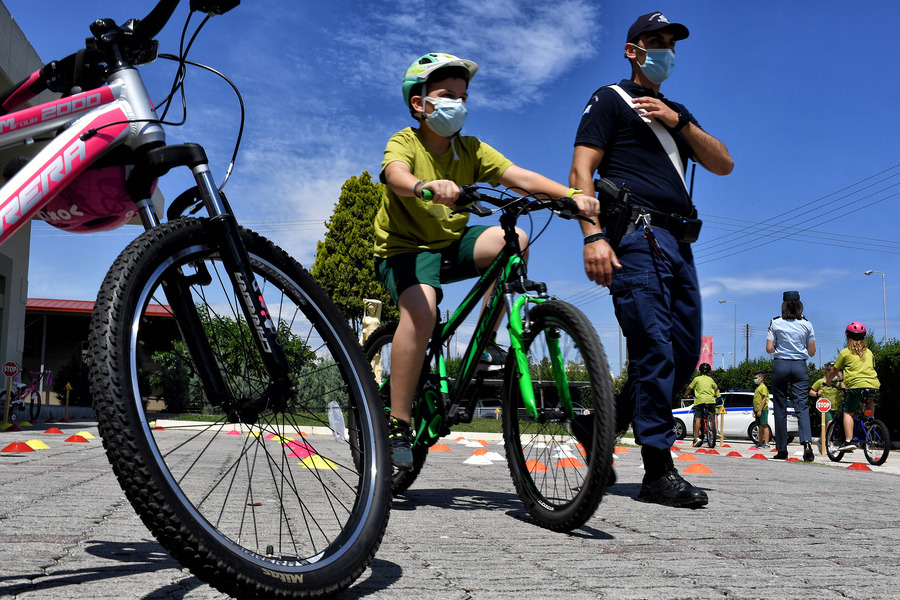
(772, 529)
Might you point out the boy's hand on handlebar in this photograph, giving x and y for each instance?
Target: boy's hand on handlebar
(599, 262)
(588, 205)
(443, 191)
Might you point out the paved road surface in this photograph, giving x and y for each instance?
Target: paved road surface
(772, 530)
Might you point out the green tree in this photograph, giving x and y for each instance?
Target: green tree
(344, 265)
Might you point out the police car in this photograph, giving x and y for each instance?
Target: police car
(739, 419)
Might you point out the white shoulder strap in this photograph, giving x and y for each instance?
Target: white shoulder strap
(665, 138)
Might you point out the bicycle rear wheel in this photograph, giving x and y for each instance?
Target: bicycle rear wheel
(878, 442)
(377, 350)
(709, 419)
(834, 438)
(560, 464)
(34, 406)
(276, 504)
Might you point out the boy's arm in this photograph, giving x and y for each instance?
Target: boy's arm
(399, 177)
(535, 183)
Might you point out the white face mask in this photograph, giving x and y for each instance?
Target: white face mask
(448, 117)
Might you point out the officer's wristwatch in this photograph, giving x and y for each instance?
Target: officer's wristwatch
(682, 121)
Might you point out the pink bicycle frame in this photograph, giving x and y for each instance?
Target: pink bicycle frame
(95, 121)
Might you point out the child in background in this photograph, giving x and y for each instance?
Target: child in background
(858, 365)
(761, 409)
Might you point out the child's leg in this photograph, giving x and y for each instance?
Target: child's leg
(418, 310)
(848, 426)
(488, 246)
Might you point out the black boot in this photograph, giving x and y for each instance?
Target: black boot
(664, 485)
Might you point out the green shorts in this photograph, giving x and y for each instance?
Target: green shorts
(453, 263)
(699, 408)
(763, 418)
(853, 399)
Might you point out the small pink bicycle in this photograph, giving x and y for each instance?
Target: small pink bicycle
(198, 313)
(27, 395)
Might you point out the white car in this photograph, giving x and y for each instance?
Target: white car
(739, 419)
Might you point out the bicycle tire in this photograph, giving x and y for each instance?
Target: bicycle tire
(834, 438)
(34, 406)
(251, 516)
(878, 442)
(710, 422)
(559, 491)
(378, 348)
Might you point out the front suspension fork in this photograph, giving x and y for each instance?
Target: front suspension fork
(225, 233)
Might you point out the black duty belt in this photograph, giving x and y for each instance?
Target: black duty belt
(683, 229)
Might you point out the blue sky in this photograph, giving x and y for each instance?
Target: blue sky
(802, 93)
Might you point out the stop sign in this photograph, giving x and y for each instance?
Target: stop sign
(823, 404)
(10, 369)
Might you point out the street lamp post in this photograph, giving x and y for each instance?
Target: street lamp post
(722, 354)
(734, 361)
(883, 300)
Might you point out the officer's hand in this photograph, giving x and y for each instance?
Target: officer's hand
(599, 262)
(657, 109)
(588, 206)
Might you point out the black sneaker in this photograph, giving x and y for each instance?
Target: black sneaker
(808, 454)
(402, 437)
(780, 455)
(672, 490)
(849, 446)
(697, 443)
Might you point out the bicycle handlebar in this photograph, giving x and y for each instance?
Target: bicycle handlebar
(473, 197)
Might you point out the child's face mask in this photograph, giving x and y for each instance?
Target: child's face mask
(448, 117)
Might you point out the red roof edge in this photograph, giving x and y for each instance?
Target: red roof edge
(84, 307)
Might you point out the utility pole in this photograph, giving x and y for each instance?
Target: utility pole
(747, 342)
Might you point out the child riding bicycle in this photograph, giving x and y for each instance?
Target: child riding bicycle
(858, 365)
(421, 244)
(705, 393)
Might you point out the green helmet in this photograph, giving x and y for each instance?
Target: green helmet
(423, 67)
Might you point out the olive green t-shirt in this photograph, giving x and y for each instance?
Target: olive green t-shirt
(705, 390)
(858, 372)
(760, 397)
(409, 224)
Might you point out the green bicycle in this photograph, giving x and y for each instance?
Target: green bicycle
(557, 397)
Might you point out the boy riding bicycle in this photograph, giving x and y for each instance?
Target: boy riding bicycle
(421, 244)
(705, 393)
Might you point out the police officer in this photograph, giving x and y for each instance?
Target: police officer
(628, 139)
(792, 340)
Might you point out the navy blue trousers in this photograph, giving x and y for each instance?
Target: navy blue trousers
(790, 374)
(658, 306)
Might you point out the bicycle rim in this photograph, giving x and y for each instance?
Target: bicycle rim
(878, 442)
(560, 465)
(279, 505)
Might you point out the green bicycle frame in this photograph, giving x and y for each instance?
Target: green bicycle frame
(507, 276)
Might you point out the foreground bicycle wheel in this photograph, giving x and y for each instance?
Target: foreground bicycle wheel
(878, 444)
(276, 506)
(377, 350)
(560, 465)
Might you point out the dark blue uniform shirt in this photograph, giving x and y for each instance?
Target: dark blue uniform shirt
(632, 154)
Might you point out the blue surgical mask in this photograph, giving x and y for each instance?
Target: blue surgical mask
(658, 65)
(448, 117)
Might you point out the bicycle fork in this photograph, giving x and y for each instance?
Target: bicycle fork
(225, 233)
(518, 327)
